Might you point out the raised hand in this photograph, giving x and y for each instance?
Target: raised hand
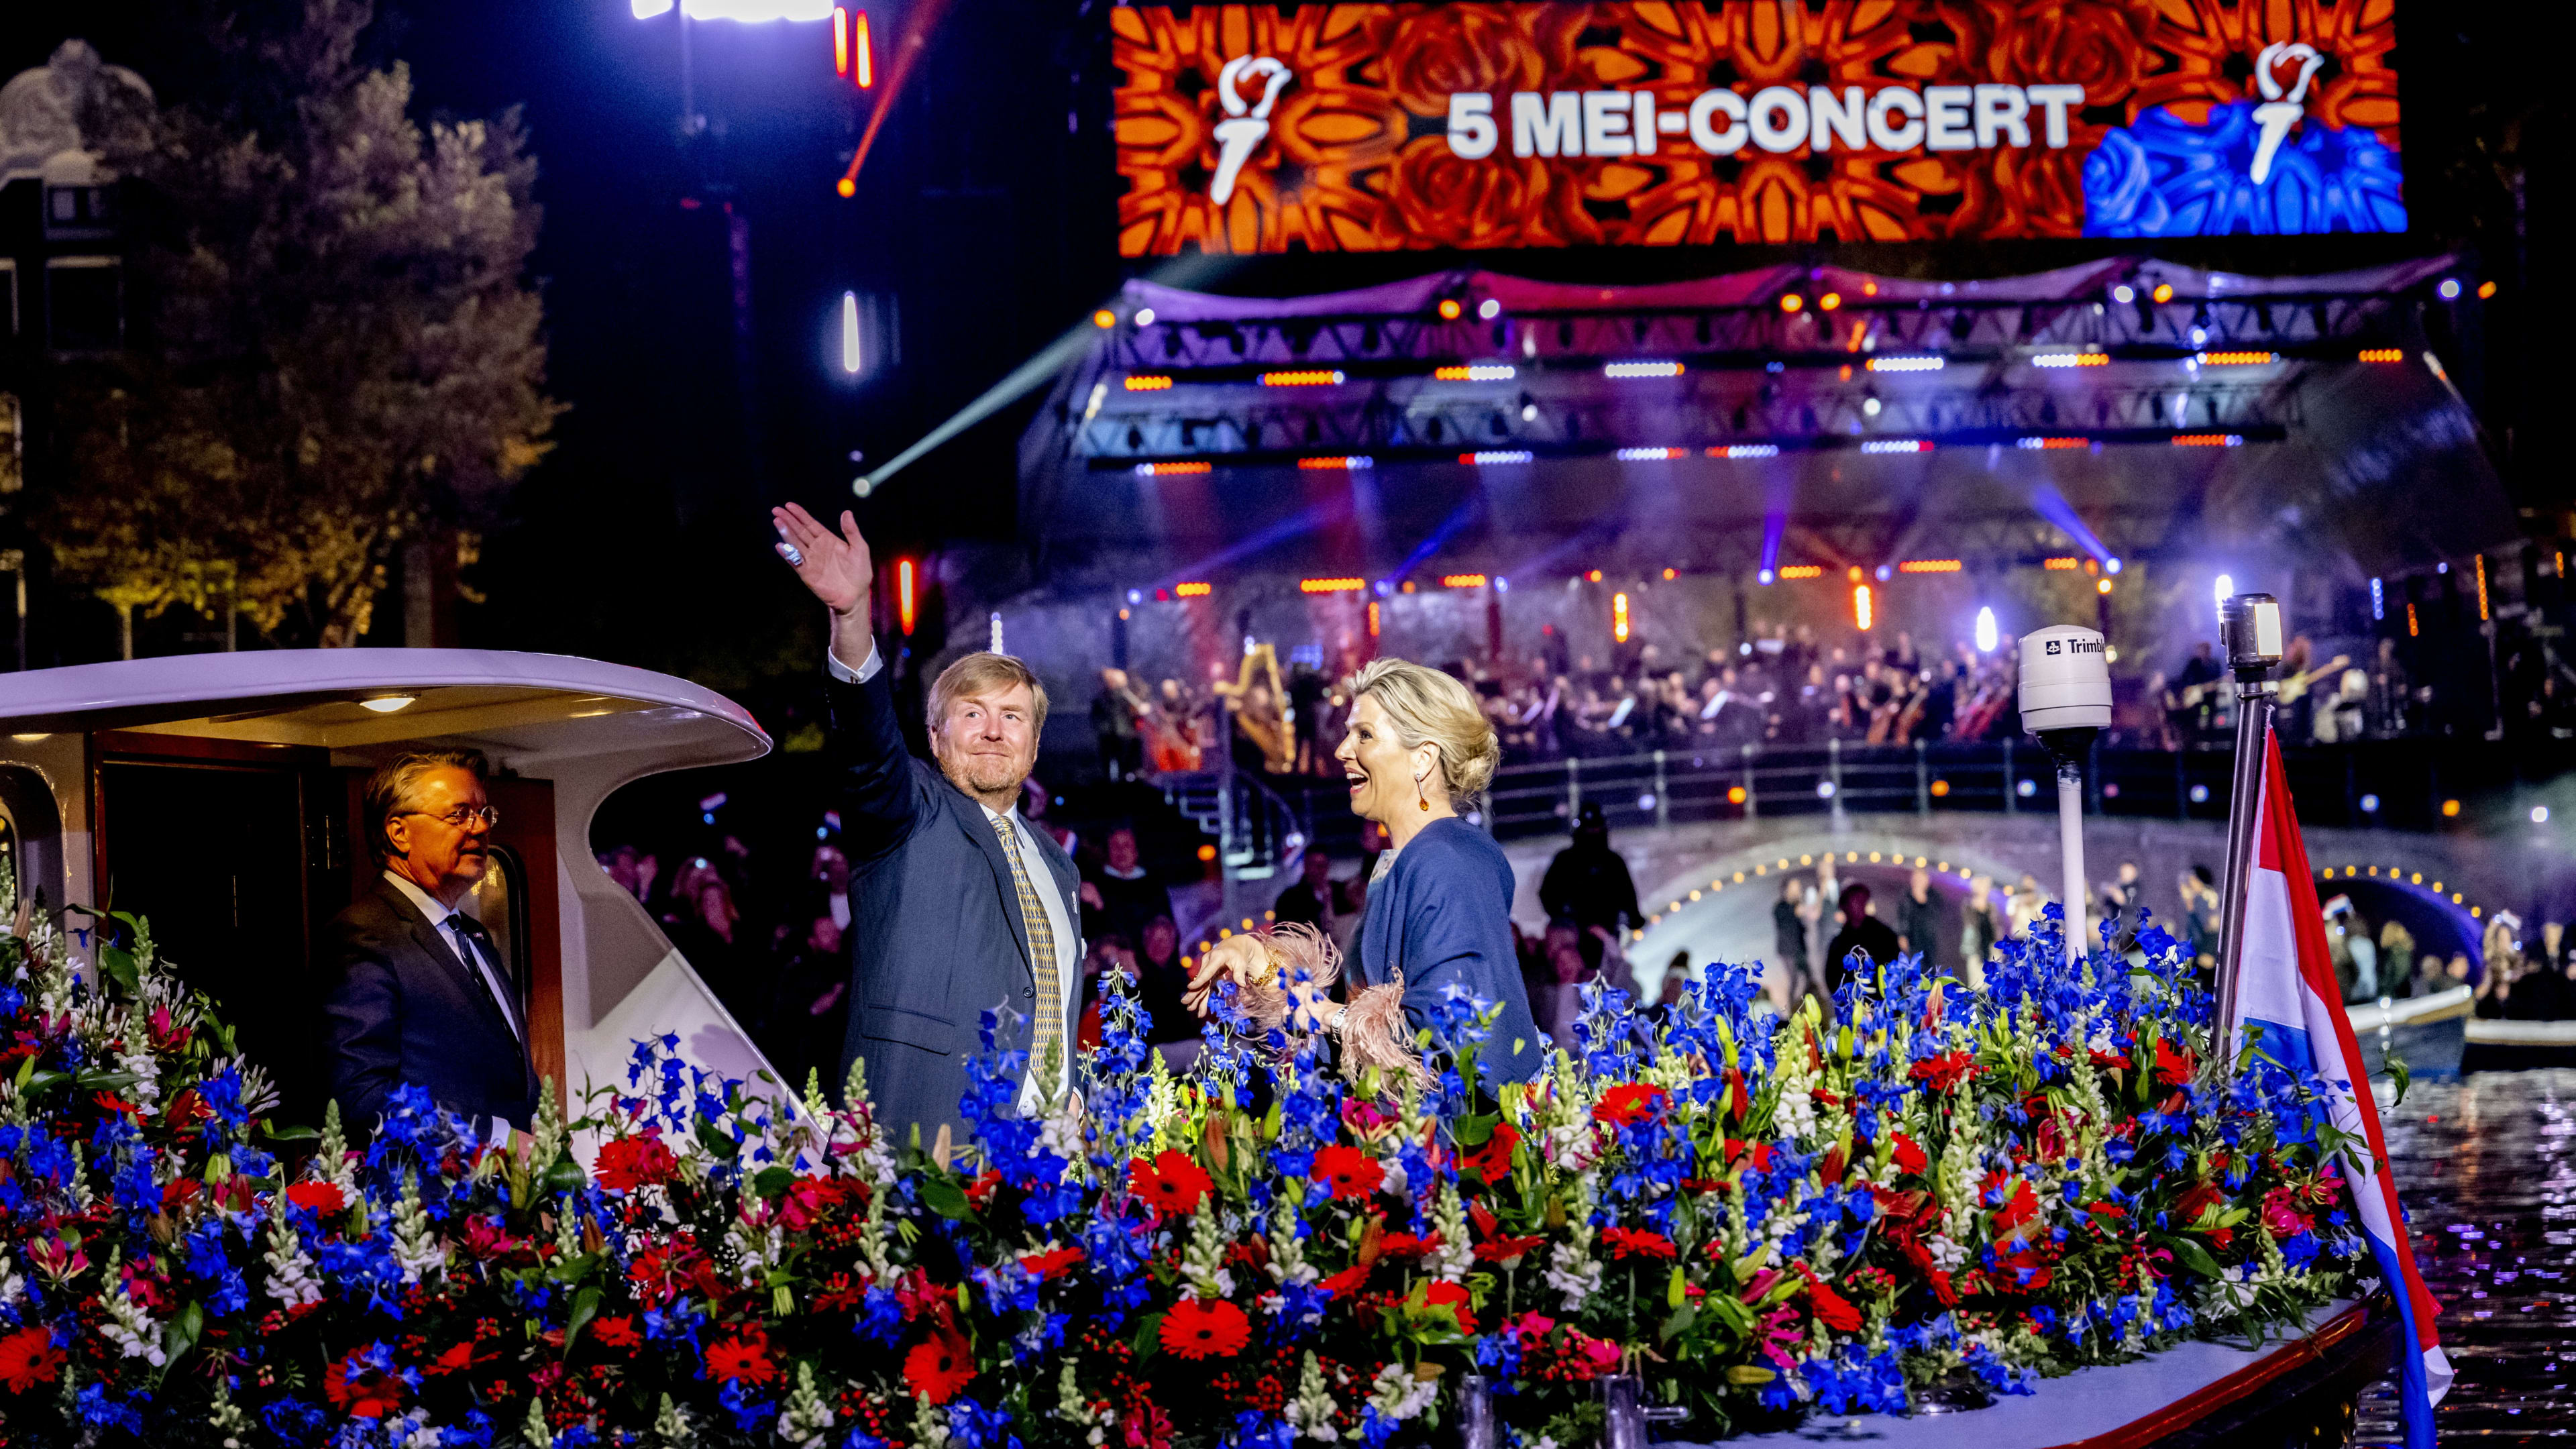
(836, 566)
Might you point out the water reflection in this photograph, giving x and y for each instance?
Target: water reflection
(2488, 1169)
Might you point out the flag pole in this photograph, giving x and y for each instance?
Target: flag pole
(2249, 631)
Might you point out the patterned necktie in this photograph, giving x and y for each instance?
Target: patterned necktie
(1049, 1016)
(476, 945)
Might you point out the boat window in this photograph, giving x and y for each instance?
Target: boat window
(498, 901)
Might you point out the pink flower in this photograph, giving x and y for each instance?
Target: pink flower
(1532, 1328)
(2281, 1215)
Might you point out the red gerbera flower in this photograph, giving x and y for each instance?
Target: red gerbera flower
(939, 1368)
(745, 1358)
(1943, 1072)
(456, 1360)
(1455, 1298)
(321, 1197)
(1638, 1243)
(1491, 1159)
(1910, 1156)
(28, 1358)
(1832, 1309)
(1171, 1183)
(1197, 1329)
(1346, 1280)
(2173, 1068)
(626, 1163)
(1347, 1171)
(617, 1332)
(1628, 1103)
(1053, 1263)
(366, 1391)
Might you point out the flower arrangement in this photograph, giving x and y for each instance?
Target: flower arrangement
(1920, 1189)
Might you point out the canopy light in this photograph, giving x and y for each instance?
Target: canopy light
(388, 703)
(1148, 383)
(2382, 354)
(1192, 590)
(1172, 470)
(1896, 445)
(2209, 440)
(1747, 450)
(1651, 455)
(2072, 359)
(1502, 455)
(1641, 369)
(1803, 571)
(1335, 465)
(1331, 586)
(1303, 377)
(1907, 364)
(1475, 372)
(1929, 566)
(1462, 581)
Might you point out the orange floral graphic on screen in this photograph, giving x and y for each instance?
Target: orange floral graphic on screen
(1357, 155)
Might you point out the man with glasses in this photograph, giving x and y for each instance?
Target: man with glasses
(418, 992)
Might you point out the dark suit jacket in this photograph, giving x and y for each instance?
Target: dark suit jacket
(402, 1008)
(936, 937)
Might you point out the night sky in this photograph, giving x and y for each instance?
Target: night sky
(981, 230)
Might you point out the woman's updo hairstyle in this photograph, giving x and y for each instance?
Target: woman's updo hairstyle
(1426, 706)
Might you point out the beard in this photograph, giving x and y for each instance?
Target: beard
(982, 775)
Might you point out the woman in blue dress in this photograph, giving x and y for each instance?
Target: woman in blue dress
(1416, 749)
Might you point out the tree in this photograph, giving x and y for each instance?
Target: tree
(337, 349)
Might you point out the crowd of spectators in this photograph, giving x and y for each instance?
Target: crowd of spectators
(2525, 976)
(1793, 687)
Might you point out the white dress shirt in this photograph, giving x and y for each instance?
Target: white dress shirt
(1068, 946)
(438, 914)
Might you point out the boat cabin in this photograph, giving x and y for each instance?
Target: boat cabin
(218, 797)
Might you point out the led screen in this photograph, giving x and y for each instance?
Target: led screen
(1362, 128)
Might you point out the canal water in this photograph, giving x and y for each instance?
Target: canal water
(2487, 1165)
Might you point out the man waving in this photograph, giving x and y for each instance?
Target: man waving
(957, 904)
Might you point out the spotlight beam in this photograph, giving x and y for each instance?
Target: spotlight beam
(1022, 380)
(2052, 505)
(916, 39)
(1305, 520)
(1448, 529)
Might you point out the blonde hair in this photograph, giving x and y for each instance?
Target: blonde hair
(1426, 706)
(985, 673)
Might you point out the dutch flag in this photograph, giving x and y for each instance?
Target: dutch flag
(2286, 986)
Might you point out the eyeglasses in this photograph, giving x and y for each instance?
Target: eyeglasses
(463, 816)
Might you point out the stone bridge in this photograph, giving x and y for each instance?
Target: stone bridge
(1708, 887)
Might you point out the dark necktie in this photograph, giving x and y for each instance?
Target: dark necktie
(481, 960)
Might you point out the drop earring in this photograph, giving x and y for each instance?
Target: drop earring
(1421, 801)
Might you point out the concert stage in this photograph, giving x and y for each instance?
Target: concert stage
(1468, 422)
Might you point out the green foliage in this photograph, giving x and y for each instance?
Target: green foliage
(339, 351)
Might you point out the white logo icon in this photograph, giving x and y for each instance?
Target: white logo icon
(1244, 124)
(2279, 113)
